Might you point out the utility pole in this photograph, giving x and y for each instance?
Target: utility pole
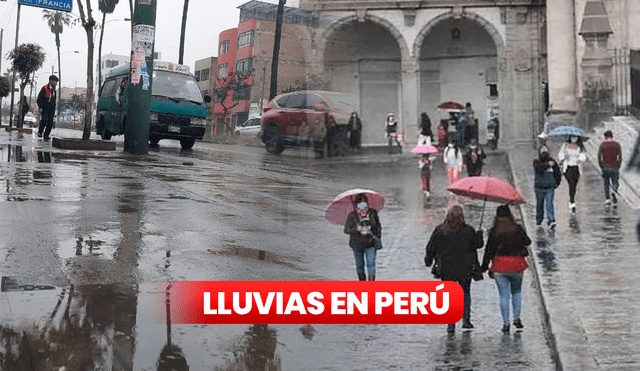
(1, 98)
(183, 31)
(273, 91)
(13, 80)
(136, 131)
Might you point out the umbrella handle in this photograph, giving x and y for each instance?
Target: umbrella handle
(482, 213)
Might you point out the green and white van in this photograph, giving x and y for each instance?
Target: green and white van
(178, 109)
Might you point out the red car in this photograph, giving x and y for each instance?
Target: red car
(317, 119)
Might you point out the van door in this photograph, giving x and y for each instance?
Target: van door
(119, 103)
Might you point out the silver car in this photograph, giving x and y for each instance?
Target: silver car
(249, 128)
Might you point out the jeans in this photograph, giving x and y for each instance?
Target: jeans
(610, 177)
(367, 256)
(572, 175)
(509, 286)
(466, 289)
(544, 199)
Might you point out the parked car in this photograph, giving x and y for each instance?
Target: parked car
(317, 119)
(249, 128)
(30, 119)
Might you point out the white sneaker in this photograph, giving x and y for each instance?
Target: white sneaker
(607, 202)
(572, 207)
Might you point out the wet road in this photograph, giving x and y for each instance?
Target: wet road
(96, 229)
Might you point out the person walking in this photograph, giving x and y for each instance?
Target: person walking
(472, 123)
(355, 131)
(610, 159)
(25, 107)
(47, 107)
(425, 174)
(505, 254)
(547, 178)
(425, 135)
(363, 227)
(452, 246)
(474, 159)
(392, 133)
(452, 158)
(571, 155)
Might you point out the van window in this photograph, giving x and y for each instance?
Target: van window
(107, 88)
(176, 85)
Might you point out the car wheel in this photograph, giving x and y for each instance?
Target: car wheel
(106, 135)
(338, 143)
(187, 143)
(154, 140)
(236, 133)
(272, 140)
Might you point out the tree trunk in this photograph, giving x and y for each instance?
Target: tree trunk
(273, 89)
(88, 108)
(20, 118)
(184, 28)
(59, 82)
(104, 16)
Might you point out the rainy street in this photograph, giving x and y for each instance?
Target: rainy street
(87, 233)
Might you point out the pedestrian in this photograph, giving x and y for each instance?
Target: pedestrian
(452, 158)
(474, 159)
(505, 254)
(47, 107)
(571, 156)
(425, 174)
(121, 89)
(472, 123)
(363, 227)
(392, 133)
(425, 135)
(355, 131)
(452, 248)
(461, 129)
(443, 134)
(547, 178)
(610, 159)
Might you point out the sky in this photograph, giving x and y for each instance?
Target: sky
(206, 19)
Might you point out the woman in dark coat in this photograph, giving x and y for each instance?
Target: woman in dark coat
(453, 246)
(506, 251)
(365, 231)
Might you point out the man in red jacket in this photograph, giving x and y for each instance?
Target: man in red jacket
(610, 159)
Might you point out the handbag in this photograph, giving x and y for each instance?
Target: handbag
(373, 241)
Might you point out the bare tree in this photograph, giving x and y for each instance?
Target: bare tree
(230, 90)
(88, 23)
(106, 7)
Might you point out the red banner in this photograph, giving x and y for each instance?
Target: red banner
(314, 302)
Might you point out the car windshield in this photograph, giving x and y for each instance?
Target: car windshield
(343, 101)
(176, 85)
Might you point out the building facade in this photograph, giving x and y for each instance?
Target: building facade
(205, 73)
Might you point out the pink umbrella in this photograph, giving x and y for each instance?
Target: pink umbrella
(425, 149)
(342, 204)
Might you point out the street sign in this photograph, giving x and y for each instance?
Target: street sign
(63, 5)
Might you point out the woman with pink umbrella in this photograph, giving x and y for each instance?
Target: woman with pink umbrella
(364, 230)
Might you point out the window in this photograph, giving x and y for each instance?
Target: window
(222, 71)
(296, 101)
(197, 75)
(242, 92)
(245, 38)
(110, 64)
(313, 99)
(282, 102)
(204, 75)
(243, 65)
(224, 47)
(107, 88)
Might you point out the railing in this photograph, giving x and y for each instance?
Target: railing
(335, 5)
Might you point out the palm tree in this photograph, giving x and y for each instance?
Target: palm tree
(184, 27)
(56, 21)
(106, 7)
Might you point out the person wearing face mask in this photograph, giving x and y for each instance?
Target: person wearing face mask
(572, 154)
(547, 178)
(364, 230)
(452, 158)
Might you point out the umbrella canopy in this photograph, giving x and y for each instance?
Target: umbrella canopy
(567, 130)
(342, 204)
(451, 106)
(425, 149)
(488, 189)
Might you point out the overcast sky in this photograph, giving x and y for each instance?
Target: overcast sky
(206, 19)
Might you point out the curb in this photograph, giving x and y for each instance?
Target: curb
(547, 327)
(80, 144)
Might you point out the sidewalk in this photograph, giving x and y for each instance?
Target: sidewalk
(587, 268)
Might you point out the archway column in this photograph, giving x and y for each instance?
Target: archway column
(410, 97)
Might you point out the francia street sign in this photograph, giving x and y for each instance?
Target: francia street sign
(63, 5)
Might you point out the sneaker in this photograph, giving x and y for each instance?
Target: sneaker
(467, 325)
(505, 327)
(426, 194)
(518, 323)
(46, 138)
(552, 225)
(572, 207)
(614, 198)
(39, 135)
(607, 202)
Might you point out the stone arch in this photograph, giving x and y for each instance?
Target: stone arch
(488, 26)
